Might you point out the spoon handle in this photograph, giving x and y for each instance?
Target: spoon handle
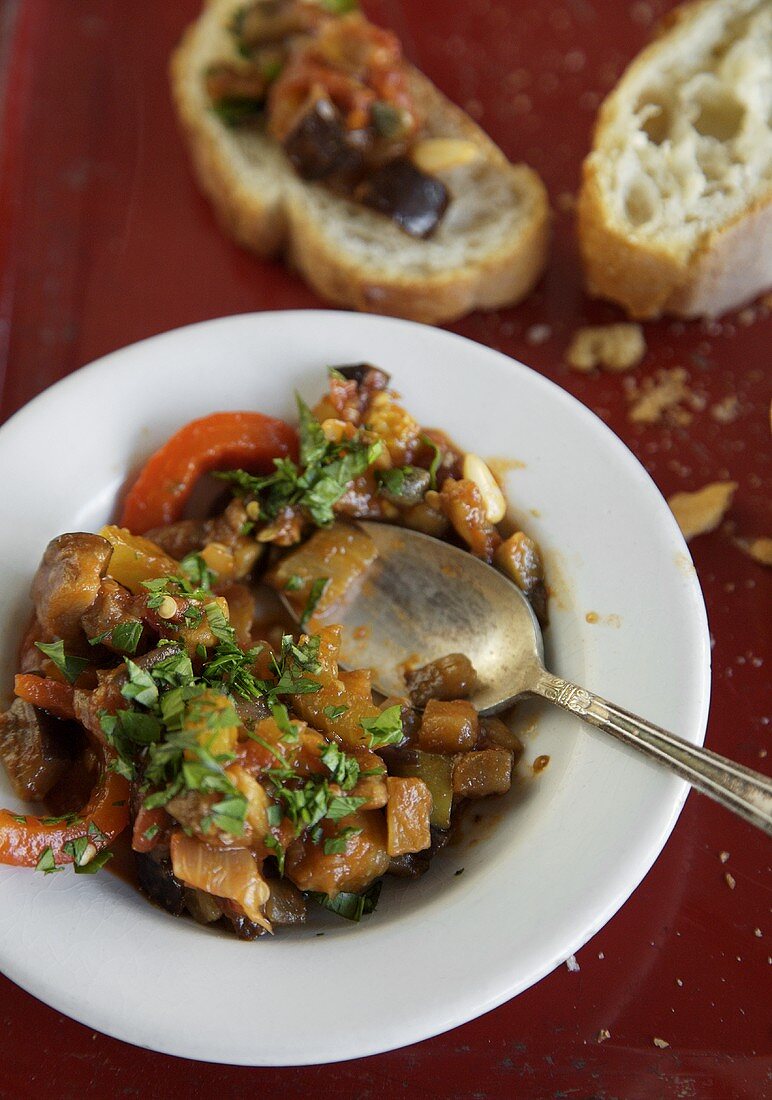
(745, 792)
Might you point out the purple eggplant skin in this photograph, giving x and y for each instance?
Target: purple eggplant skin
(318, 146)
(412, 199)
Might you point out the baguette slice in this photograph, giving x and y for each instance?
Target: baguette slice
(488, 251)
(675, 209)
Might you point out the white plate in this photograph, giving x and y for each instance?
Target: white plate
(574, 843)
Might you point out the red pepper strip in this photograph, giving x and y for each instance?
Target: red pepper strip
(221, 441)
(50, 695)
(24, 838)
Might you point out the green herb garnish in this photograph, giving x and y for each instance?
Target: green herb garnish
(314, 596)
(336, 845)
(435, 463)
(46, 863)
(325, 472)
(385, 728)
(351, 906)
(70, 667)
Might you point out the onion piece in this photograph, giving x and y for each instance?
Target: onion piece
(231, 874)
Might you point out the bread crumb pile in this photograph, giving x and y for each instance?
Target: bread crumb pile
(612, 347)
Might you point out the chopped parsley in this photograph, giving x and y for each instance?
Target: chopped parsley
(274, 845)
(233, 110)
(385, 728)
(351, 906)
(95, 864)
(124, 636)
(343, 768)
(333, 713)
(435, 462)
(336, 845)
(70, 667)
(340, 807)
(325, 472)
(294, 583)
(46, 863)
(314, 596)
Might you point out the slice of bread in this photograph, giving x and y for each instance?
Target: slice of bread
(675, 210)
(487, 252)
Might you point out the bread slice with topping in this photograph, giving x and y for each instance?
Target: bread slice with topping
(675, 209)
(487, 251)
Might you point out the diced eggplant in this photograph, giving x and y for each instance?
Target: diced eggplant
(156, 878)
(318, 146)
(411, 198)
(342, 554)
(112, 607)
(520, 558)
(365, 375)
(67, 582)
(477, 774)
(404, 486)
(436, 770)
(415, 864)
(203, 908)
(448, 727)
(33, 748)
(286, 905)
(407, 815)
(450, 677)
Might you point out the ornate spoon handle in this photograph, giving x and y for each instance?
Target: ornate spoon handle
(745, 792)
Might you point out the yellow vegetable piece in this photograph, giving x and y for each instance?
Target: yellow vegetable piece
(136, 559)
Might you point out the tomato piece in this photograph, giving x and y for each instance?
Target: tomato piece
(225, 440)
(24, 837)
(51, 695)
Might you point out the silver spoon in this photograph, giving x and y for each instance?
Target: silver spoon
(423, 599)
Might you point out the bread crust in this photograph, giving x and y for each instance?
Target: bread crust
(283, 224)
(728, 266)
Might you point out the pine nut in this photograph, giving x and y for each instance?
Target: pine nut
(88, 854)
(440, 154)
(252, 509)
(167, 608)
(475, 470)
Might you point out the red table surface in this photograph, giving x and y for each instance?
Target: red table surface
(104, 240)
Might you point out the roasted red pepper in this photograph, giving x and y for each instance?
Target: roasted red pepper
(221, 441)
(24, 838)
(41, 691)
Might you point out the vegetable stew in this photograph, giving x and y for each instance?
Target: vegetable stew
(163, 692)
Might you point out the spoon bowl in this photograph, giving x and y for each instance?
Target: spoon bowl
(423, 599)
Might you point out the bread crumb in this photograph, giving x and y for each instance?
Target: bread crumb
(661, 1043)
(602, 1035)
(726, 410)
(572, 964)
(679, 983)
(538, 334)
(612, 347)
(662, 398)
(757, 933)
(724, 857)
(759, 549)
(730, 880)
(702, 511)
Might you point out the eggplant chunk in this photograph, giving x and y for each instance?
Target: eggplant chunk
(67, 582)
(156, 877)
(318, 146)
(411, 198)
(364, 374)
(33, 750)
(450, 677)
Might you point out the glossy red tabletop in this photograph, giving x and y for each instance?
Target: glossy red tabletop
(104, 240)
